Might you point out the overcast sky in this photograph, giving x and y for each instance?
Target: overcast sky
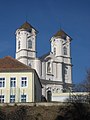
(48, 16)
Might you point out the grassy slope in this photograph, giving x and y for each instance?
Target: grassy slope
(68, 112)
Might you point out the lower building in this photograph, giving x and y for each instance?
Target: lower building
(18, 82)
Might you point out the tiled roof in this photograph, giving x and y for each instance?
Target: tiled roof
(10, 64)
(27, 26)
(61, 34)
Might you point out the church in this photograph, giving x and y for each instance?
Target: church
(53, 68)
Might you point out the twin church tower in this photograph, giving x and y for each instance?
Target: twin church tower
(54, 68)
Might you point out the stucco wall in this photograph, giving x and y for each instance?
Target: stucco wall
(18, 90)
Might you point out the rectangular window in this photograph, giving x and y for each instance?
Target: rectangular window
(1, 98)
(2, 82)
(23, 81)
(30, 43)
(12, 82)
(23, 98)
(12, 98)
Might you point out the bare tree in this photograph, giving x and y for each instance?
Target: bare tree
(86, 83)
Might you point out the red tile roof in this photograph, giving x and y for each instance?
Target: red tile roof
(11, 64)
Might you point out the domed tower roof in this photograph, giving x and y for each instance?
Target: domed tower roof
(61, 34)
(27, 26)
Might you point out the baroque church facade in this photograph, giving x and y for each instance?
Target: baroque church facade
(54, 68)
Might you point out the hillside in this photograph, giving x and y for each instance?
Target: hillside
(66, 112)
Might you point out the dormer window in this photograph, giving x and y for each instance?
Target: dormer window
(30, 44)
(65, 50)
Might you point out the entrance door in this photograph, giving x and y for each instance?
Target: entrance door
(49, 95)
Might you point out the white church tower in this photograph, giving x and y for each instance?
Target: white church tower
(26, 44)
(55, 67)
(61, 49)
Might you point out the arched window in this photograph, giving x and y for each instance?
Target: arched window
(29, 44)
(19, 44)
(65, 50)
(48, 67)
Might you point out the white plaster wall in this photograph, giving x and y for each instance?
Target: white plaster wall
(54, 71)
(59, 71)
(23, 60)
(37, 66)
(69, 74)
(43, 70)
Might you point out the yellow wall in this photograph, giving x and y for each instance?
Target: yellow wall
(18, 90)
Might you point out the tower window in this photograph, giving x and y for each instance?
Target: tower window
(29, 44)
(48, 67)
(19, 44)
(54, 51)
(65, 70)
(65, 50)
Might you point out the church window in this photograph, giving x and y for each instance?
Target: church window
(29, 44)
(54, 51)
(19, 44)
(65, 50)
(49, 67)
(65, 70)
